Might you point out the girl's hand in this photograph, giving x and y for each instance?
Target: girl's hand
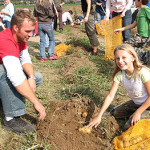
(135, 118)
(95, 122)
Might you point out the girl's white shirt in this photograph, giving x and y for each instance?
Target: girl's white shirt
(136, 90)
(118, 6)
(13, 66)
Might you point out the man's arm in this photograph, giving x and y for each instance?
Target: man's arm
(16, 76)
(25, 90)
(28, 68)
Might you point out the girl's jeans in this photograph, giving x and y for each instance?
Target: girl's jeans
(12, 101)
(43, 30)
(126, 21)
(124, 111)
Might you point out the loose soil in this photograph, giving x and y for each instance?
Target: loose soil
(62, 123)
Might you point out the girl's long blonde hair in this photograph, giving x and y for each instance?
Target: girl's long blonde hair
(136, 63)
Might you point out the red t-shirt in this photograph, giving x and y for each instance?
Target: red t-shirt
(8, 45)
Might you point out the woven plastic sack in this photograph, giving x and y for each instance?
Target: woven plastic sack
(136, 137)
(100, 28)
(61, 49)
(112, 40)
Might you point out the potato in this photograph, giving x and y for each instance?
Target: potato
(84, 114)
(85, 130)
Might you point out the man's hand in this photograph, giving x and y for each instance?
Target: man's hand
(40, 108)
(123, 14)
(57, 13)
(85, 19)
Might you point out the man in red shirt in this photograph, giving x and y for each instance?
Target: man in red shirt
(17, 77)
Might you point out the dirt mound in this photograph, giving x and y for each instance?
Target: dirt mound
(60, 128)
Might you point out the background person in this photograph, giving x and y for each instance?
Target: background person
(122, 7)
(78, 19)
(136, 79)
(8, 12)
(100, 9)
(67, 17)
(89, 24)
(43, 10)
(17, 77)
(58, 4)
(140, 40)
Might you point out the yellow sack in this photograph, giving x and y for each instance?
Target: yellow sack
(61, 49)
(100, 27)
(112, 40)
(136, 137)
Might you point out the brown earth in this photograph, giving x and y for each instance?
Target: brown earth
(62, 123)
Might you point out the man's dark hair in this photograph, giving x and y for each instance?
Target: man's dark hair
(144, 2)
(70, 11)
(20, 15)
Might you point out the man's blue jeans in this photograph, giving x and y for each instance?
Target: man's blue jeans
(43, 30)
(126, 21)
(12, 101)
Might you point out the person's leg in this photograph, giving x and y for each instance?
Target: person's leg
(145, 115)
(42, 33)
(55, 22)
(50, 33)
(124, 110)
(127, 19)
(13, 105)
(60, 18)
(139, 43)
(90, 31)
(98, 18)
(39, 78)
(12, 101)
